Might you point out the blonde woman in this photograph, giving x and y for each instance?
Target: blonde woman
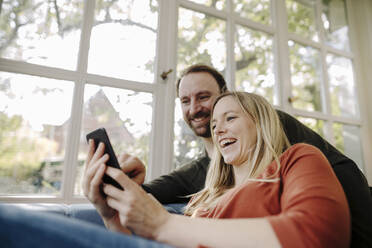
(259, 192)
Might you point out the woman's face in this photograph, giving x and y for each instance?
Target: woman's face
(234, 131)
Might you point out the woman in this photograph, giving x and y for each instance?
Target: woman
(259, 191)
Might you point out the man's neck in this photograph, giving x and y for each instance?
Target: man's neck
(209, 147)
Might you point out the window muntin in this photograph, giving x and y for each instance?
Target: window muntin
(35, 114)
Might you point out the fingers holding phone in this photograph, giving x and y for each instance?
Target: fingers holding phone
(95, 167)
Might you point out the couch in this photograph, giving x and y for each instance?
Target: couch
(81, 211)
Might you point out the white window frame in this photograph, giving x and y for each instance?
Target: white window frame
(161, 142)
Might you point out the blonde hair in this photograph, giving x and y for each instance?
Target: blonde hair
(271, 142)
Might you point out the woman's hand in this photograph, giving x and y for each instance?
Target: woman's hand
(92, 180)
(138, 211)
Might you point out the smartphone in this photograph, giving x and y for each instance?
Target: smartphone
(100, 135)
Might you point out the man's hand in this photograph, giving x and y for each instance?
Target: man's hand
(133, 167)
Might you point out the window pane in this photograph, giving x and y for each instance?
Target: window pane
(314, 124)
(256, 10)
(201, 39)
(347, 140)
(41, 32)
(34, 118)
(305, 77)
(126, 115)
(254, 62)
(186, 145)
(341, 86)
(301, 18)
(335, 24)
(218, 4)
(123, 40)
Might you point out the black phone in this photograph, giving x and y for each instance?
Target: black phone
(100, 135)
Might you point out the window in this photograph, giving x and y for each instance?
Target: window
(74, 66)
(262, 37)
(68, 67)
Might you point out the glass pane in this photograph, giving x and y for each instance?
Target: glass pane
(201, 39)
(314, 124)
(305, 77)
(41, 32)
(127, 117)
(335, 24)
(341, 86)
(34, 119)
(256, 10)
(186, 145)
(301, 18)
(217, 4)
(254, 62)
(123, 40)
(347, 140)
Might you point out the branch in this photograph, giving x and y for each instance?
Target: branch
(125, 22)
(60, 30)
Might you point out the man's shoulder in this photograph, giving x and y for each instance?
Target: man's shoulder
(200, 163)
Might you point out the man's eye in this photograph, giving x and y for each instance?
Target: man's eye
(204, 97)
(213, 127)
(229, 118)
(185, 102)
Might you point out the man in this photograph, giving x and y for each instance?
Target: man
(197, 89)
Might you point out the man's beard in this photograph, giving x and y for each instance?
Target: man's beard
(206, 133)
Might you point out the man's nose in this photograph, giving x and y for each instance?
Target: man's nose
(195, 107)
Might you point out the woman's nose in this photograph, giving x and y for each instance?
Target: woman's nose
(218, 129)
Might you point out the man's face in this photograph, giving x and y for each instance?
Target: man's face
(197, 92)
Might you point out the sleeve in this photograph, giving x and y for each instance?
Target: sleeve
(352, 179)
(177, 186)
(314, 210)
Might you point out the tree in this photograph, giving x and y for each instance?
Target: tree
(254, 61)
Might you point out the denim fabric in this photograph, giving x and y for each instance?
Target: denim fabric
(22, 228)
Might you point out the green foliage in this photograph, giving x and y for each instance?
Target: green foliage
(19, 156)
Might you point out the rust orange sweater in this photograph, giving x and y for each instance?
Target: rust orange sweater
(306, 207)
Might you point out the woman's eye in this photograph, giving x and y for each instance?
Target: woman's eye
(229, 118)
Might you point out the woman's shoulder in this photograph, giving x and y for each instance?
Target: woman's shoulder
(302, 153)
(302, 148)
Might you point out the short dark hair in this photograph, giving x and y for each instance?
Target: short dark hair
(204, 68)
